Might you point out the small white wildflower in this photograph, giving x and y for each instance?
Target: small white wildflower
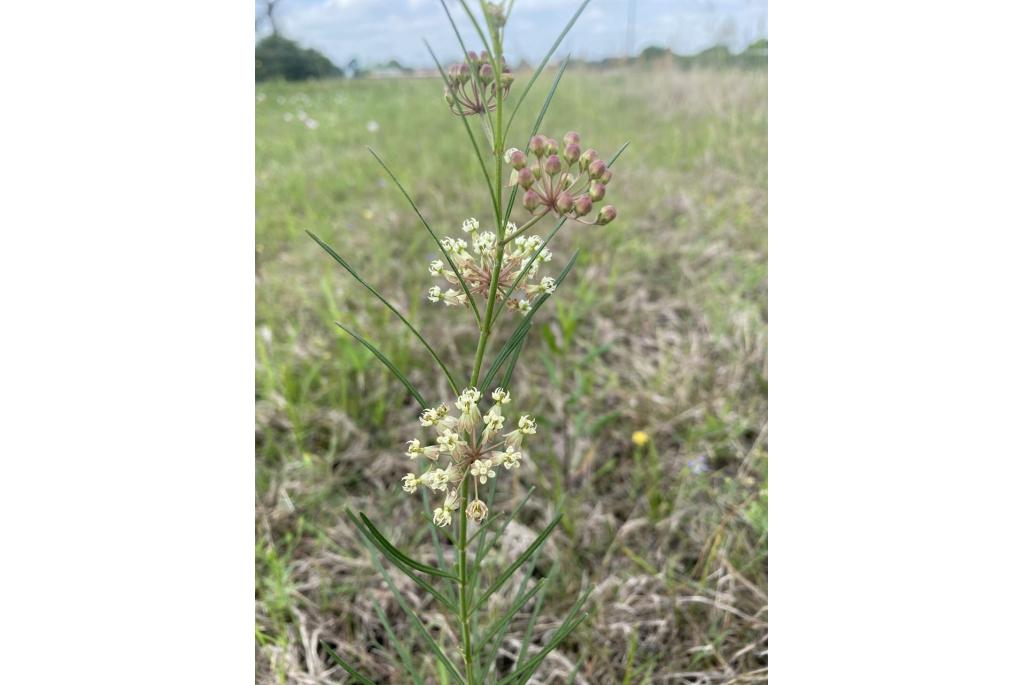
(510, 458)
(514, 440)
(409, 482)
(448, 441)
(481, 469)
(548, 284)
(484, 243)
(436, 267)
(431, 416)
(435, 479)
(523, 305)
(442, 516)
(510, 227)
(508, 154)
(434, 294)
(432, 452)
(414, 450)
(527, 425)
(470, 225)
(493, 422)
(501, 396)
(476, 510)
(545, 255)
(454, 297)
(468, 398)
(451, 502)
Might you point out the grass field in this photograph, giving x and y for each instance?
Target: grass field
(660, 327)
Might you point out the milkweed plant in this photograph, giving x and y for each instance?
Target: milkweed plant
(477, 436)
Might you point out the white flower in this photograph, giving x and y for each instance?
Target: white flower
(436, 267)
(435, 479)
(442, 516)
(448, 441)
(548, 284)
(527, 425)
(414, 450)
(431, 416)
(476, 510)
(468, 398)
(493, 422)
(434, 294)
(501, 396)
(545, 255)
(482, 470)
(451, 502)
(483, 243)
(523, 305)
(470, 225)
(508, 154)
(510, 458)
(510, 227)
(432, 452)
(454, 297)
(409, 482)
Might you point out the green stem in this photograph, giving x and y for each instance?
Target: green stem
(464, 611)
(522, 229)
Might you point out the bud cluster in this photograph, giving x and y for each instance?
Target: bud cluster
(474, 446)
(473, 85)
(477, 267)
(563, 179)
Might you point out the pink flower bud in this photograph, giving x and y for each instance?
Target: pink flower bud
(596, 169)
(525, 178)
(606, 215)
(563, 203)
(551, 146)
(536, 170)
(572, 153)
(537, 144)
(471, 56)
(553, 165)
(486, 73)
(587, 157)
(517, 159)
(583, 205)
(571, 138)
(531, 200)
(606, 176)
(596, 191)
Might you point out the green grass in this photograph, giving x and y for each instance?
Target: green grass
(661, 326)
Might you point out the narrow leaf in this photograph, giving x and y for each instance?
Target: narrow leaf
(506, 381)
(413, 618)
(403, 653)
(438, 553)
(544, 62)
(503, 354)
(386, 547)
(388, 363)
(543, 298)
(465, 123)
(522, 673)
(513, 610)
(482, 552)
(433, 235)
(507, 573)
(533, 617)
(327, 248)
(360, 678)
(528, 633)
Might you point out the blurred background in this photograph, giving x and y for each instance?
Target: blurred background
(647, 369)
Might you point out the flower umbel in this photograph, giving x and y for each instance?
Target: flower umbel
(474, 446)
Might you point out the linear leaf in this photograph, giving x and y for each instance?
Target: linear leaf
(438, 553)
(482, 552)
(344, 664)
(528, 633)
(403, 653)
(522, 673)
(413, 618)
(465, 123)
(327, 248)
(544, 298)
(387, 362)
(389, 549)
(506, 381)
(513, 610)
(426, 225)
(503, 354)
(404, 568)
(544, 62)
(507, 573)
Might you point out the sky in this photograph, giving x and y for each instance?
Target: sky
(375, 31)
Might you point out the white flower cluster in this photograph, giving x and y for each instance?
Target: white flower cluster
(475, 446)
(475, 261)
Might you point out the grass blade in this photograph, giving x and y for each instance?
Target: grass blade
(485, 549)
(391, 551)
(387, 362)
(360, 678)
(403, 653)
(327, 248)
(523, 673)
(465, 122)
(503, 354)
(433, 235)
(413, 618)
(543, 298)
(544, 62)
(507, 573)
(438, 553)
(506, 380)
(533, 617)
(513, 610)
(528, 633)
